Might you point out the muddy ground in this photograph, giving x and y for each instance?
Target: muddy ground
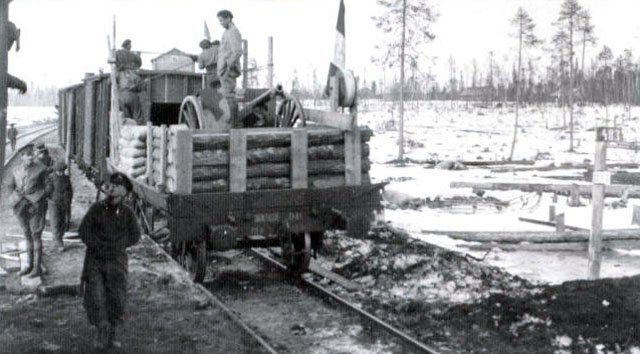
(461, 305)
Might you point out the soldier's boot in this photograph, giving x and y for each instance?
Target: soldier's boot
(29, 266)
(112, 342)
(101, 341)
(37, 263)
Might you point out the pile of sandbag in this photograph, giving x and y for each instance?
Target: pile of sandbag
(132, 147)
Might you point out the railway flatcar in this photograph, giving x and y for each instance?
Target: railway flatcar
(282, 180)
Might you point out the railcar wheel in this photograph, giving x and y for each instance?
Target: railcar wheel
(290, 112)
(193, 258)
(296, 251)
(191, 112)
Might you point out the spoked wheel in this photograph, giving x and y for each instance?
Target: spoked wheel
(290, 112)
(296, 251)
(192, 256)
(191, 112)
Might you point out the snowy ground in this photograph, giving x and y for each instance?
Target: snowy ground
(446, 131)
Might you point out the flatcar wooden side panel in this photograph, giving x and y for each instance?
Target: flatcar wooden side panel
(78, 122)
(89, 122)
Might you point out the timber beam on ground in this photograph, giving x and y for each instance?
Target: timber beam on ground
(535, 236)
(553, 167)
(613, 190)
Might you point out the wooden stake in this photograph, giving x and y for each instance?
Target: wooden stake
(552, 212)
(560, 223)
(597, 200)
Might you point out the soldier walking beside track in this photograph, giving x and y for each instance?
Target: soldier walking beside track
(229, 55)
(12, 134)
(60, 202)
(108, 229)
(30, 187)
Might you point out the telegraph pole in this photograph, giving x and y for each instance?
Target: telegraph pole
(4, 64)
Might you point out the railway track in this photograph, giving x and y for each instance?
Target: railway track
(298, 315)
(29, 137)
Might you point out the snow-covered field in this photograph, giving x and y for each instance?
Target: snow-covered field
(28, 115)
(451, 131)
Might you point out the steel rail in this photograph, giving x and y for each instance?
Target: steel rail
(367, 316)
(41, 132)
(34, 131)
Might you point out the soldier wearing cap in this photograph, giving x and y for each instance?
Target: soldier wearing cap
(228, 66)
(60, 202)
(128, 63)
(43, 155)
(12, 134)
(29, 188)
(208, 59)
(108, 229)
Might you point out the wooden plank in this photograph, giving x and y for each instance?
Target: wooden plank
(560, 226)
(299, 159)
(237, 160)
(149, 153)
(535, 236)
(551, 223)
(556, 246)
(352, 152)
(89, 118)
(337, 120)
(334, 277)
(597, 202)
(184, 160)
(163, 156)
(613, 190)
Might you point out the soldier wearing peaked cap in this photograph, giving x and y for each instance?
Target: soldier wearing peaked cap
(108, 229)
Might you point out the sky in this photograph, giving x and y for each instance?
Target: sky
(63, 39)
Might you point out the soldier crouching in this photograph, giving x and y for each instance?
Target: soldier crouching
(108, 229)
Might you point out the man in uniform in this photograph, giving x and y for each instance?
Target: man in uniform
(60, 202)
(229, 55)
(207, 60)
(129, 82)
(12, 134)
(43, 156)
(29, 188)
(108, 228)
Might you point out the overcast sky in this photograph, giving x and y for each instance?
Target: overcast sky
(63, 39)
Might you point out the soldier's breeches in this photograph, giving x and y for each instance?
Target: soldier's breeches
(58, 218)
(32, 219)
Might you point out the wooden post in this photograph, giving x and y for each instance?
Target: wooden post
(4, 64)
(184, 161)
(70, 123)
(597, 200)
(270, 63)
(114, 112)
(353, 151)
(574, 197)
(163, 157)
(89, 118)
(245, 64)
(150, 154)
(552, 212)
(560, 226)
(333, 99)
(299, 158)
(237, 160)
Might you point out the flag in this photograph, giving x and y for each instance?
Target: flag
(207, 35)
(336, 67)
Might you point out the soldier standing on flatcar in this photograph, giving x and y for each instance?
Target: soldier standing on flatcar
(29, 188)
(12, 134)
(229, 55)
(60, 202)
(129, 82)
(108, 229)
(208, 59)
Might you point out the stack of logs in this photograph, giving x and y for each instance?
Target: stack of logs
(269, 159)
(132, 151)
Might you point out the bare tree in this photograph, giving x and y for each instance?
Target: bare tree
(604, 57)
(586, 31)
(569, 20)
(405, 41)
(526, 39)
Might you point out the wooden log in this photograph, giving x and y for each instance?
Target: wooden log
(271, 137)
(535, 236)
(613, 190)
(551, 223)
(274, 154)
(315, 167)
(635, 218)
(222, 185)
(553, 167)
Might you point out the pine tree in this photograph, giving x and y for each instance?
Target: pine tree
(526, 39)
(403, 41)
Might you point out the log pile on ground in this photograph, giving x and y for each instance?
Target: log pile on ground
(133, 151)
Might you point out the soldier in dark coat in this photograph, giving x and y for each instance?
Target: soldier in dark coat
(29, 188)
(60, 202)
(129, 82)
(108, 229)
(12, 134)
